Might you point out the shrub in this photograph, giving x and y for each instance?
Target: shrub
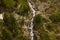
(24, 8)
(51, 27)
(37, 19)
(37, 22)
(9, 3)
(12, 29)
(55, 17)
(22, 21)
(11, 23)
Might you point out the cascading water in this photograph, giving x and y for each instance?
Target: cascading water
(31, 25)
(1, 16)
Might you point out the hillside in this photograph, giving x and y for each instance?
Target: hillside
(29, 19)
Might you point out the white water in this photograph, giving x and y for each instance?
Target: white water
(31, 25)
(1, 16)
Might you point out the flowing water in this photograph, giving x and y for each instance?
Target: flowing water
(31, 25)
(1, 16)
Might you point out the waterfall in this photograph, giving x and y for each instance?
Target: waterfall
(1, 16)
(31, 25)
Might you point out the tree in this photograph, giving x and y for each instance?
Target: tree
(11, 29)
(37, 19)
(9, 3)
(24, 7)
(37, 22)
(21, 22)
(10, 23)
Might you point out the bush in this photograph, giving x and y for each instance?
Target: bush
(21, 22)
(1, 22)
(12, 29)
(37, 19)
(6, 34)
(55, 17)
(51, 27)
(10, 23)
(24, 8)
(37, 22)
(48, 36)
(9, 3)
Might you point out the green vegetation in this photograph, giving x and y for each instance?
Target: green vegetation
(11, 29)
(6, 34)
(9, 3)
(10, 23)
(38, 21)
(55, 17)
(48, 36)
(24, 8)
(1, 22)
(16, 27)
(46, 32)
(22, 21)
(51, 27)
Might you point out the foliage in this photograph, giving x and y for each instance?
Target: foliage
(37, 19)
(6, 34)
(48, 36)
(22, 21)
(50, 26)
(24, 8)
(37, 22)
(44, 36)
(55, 17)
(1, 22)
(10, 23)
(9, 3)
(21, 1)
(11, 29)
